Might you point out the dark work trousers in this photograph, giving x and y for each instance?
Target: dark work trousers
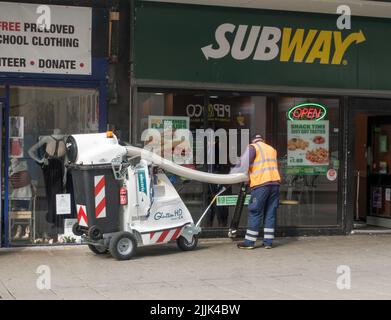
(53, 176)
(262, 210)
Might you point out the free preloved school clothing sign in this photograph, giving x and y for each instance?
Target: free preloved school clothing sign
(62, 47)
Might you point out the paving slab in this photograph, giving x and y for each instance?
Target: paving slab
(296, 268)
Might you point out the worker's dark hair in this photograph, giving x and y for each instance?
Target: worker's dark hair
(256, 137)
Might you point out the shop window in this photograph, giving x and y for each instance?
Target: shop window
(308, 135)
(40, 210)
(242, 114)
(157, 110)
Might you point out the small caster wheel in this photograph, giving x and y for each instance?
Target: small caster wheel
(123, 245)
(77, 230)
(94, 233)
(185, 245)
(98, 249)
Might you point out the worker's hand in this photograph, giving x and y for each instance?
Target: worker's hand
(45, 162)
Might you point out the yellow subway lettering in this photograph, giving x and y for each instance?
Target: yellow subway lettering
(342, 45)
(295, 44)
(321, 48)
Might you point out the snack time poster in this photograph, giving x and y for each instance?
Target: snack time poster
(308, 143)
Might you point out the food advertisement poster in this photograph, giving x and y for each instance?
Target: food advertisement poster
(308, 147)
(167, 122)
(180, 144)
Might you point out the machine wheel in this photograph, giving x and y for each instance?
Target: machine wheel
(94, 233)
(98, 249)
(123, 245)
(76, 229)
(185, 245)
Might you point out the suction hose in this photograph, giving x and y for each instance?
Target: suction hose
(186, 172)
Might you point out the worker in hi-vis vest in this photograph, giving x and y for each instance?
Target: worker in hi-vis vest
(260, 160)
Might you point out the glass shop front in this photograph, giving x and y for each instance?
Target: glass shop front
(40, 118)
(304, 130)
(48, 91)
(283, 75)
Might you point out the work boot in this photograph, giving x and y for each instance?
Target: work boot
(267, 246)
(246, 246)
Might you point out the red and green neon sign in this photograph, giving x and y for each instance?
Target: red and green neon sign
(307, 111)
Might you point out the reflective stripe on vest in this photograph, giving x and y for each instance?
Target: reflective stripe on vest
(262, 160)
(264, 168)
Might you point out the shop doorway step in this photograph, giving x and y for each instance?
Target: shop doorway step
(370, 229)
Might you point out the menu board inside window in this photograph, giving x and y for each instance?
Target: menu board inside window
(308, 147)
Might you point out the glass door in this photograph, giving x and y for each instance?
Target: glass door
(379, 178)
(308, 145)
(369, 162)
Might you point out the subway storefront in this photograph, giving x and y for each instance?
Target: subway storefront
(318, 94)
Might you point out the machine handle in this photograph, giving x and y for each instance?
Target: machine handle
(211, 203)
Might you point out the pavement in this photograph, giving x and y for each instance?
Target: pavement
(296, 268)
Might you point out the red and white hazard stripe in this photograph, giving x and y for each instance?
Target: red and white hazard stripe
(82, 215)
(100, 196)
(165, 235)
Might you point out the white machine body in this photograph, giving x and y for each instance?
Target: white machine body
(97, 148)
(154, 212)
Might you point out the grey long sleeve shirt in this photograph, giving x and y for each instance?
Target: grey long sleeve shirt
(245, 161)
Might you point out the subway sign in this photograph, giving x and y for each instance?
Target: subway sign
(239, 46)
(307, 111)
(286, 44)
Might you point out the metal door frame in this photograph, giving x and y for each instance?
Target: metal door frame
(4, 100)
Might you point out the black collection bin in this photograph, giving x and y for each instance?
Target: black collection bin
(96, 188)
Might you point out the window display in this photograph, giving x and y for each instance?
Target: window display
(155, 109)
(308, 156)
(233, 114)
(305, 132)
(40, 121)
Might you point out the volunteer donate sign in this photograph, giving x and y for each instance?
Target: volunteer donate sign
(63, 47)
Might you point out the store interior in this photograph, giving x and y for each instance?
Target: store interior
(372, 171)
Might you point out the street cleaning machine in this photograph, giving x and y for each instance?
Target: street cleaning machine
(124, 199)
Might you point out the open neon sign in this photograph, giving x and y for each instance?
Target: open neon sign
(307, 111)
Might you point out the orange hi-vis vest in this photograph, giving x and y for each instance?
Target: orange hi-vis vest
(264, 169)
